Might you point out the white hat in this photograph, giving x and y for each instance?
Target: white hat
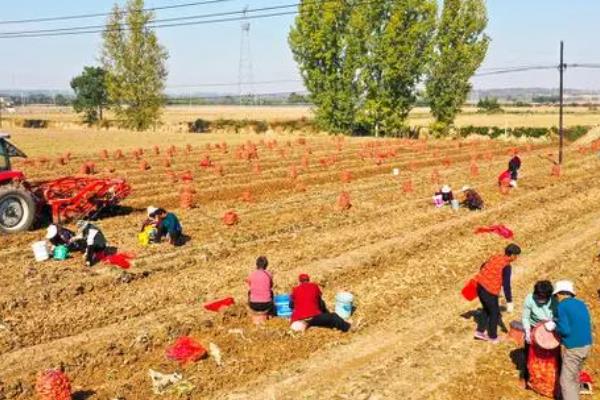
(152, 210)
(465, 188)
(446, 189)
(564, 286)
(51, 232)
(82, 224)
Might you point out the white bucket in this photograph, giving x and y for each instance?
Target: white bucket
(455, 204)
(343, 304)
(40, 251)
(396, 171)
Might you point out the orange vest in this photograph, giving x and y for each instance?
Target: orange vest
(490, 276)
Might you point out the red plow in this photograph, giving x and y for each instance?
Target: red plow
(80, 197)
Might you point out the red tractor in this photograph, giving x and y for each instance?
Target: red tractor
(23, 203)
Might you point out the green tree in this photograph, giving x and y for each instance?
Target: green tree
(396, 40)
(135, 63)
(319, 43)
(460, 48)
(489, 105)
(91, 95)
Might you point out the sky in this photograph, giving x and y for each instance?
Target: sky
(523, 32)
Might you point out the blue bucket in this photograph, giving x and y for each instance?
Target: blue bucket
(282, 305)
(343, 304)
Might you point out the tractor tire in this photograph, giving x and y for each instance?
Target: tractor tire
(17, 209)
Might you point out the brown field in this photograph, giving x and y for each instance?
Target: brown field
(175, 117)
(404, 261)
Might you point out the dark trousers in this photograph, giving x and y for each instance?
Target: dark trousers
(91, 254)
(491, 313)
(329, 320)
(514, 174)
(525, 368)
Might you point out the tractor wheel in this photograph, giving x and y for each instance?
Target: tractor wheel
(17, 209)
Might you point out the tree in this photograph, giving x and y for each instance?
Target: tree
(319, 43)
(460, 48)
(91, 95)
(396, 37)
(135, 63)
(489, 105)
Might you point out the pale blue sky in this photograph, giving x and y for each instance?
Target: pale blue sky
(523, 32)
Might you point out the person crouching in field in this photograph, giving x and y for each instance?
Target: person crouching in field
(57, 235)
(494, 275)
(167, 224)
(574, 326)
(538, 308)
(94, 239)
(309, 309)
(513, 166)
(472, 200)
(260, 288)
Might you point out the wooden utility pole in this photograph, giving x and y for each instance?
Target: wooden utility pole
(561, 68)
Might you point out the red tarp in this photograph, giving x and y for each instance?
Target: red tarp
(500, 230)
(185, 350)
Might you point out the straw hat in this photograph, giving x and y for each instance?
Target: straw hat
(465, 188)
(151, 210)
(564, 286)
(544, 338)
(446, 189)
(51, 232)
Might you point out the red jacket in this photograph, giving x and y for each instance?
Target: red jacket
(306, 299)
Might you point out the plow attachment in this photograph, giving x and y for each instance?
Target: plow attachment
(80, 197)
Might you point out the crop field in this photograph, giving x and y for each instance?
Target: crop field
(404, 261)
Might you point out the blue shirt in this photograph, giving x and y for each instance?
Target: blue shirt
(573, 323)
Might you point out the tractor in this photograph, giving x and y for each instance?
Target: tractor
(23, 203)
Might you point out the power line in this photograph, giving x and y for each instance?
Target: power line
(105, 14)
(78, 29)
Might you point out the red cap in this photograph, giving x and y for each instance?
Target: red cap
(303, 278)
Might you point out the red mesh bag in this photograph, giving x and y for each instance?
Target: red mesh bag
(230, 218)
(447, 162)
(61, 161)
(346, 176)
(185, 350)
(217, 305)
(555, 172)
(219, 170)
(343, 201)
(247, 197)
(167, 163)
(156, 150)
(53, 385)
(187, 177)
(304, 161)
(435, 177)
(188, 148)
(88, 168)
(256, 168)
(293, 172)
(300, 187)
(67, 156)
(407, 186)
(301, 141)
(119, 154)
(104, 154)
(474, 169)
(144, 166)
(206, 162)
(186, 198)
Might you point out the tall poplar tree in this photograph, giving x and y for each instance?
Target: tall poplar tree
(135, 65)
(460, 48)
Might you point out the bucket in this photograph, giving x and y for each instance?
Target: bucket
(438, 200)
(61, 253)
(455, 204)
(40, 251)
(396, 171)
(469, 292)
(343, 304)
(282, 305)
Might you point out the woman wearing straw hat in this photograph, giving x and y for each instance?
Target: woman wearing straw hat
(472, 200)
(57, 235)
(94, 239)
(573, 325)
(446, 193)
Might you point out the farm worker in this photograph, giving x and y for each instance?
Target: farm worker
(504, 179)
(573, 325)
(260, 287)
(492, 277)
(60, 236)
(513, 166)
(149, 226)
(308, 306)
(168, 225)
(446, 193)
(95, 242)
(538, 307)
(472, 200)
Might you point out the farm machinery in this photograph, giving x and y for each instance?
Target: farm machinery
(24, 203)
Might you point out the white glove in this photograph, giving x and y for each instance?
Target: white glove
(550, 326)
(528, 337)
(510, 307)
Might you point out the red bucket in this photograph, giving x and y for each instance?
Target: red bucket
(469, 292)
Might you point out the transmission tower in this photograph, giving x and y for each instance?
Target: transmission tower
(245, 89)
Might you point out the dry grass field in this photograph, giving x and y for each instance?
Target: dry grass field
(175, 116)
(404, 261)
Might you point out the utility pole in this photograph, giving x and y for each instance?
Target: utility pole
(561, 68)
